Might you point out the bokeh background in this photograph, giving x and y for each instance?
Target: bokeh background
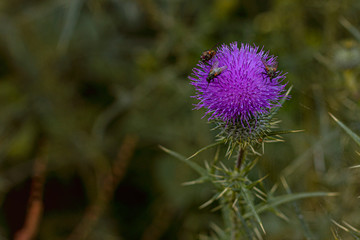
(90, 89)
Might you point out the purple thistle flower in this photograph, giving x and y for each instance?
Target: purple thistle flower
(243, 90)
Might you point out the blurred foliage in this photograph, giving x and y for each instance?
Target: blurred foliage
(78, 76)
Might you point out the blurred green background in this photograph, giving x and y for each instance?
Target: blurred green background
(80, 81)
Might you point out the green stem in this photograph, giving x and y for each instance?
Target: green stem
(241, 157)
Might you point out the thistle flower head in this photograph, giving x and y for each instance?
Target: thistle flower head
(238, 88)
(243, 90)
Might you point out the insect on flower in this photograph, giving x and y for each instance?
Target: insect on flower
(270, 69)
(215, 71)
(243, 96)
(207, 55)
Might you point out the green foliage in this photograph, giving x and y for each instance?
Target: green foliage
(355, 137)
(77, 76)
(238, 196)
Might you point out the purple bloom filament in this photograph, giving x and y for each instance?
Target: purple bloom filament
(243, 90)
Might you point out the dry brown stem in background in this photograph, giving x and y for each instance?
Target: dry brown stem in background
(35, 208)
(106, 192)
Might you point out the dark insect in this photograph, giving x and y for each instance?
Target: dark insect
(207, 55)
(215, 71)
(270, 69)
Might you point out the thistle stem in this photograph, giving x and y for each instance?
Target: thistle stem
(241, 157)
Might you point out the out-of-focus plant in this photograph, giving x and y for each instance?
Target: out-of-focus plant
(353, 231)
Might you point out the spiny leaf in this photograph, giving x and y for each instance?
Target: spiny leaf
(224, 168)
(214, 198)
(205, 148)
(191, 164)
(249, 166)
(276, 201)
(226, 213)
(196, 181)
(216, 158)
(248, 231)
(355, 234)
(273, 133)
(208, 202)
(253, 210)
(351, 227)
(355, 137)
(221, 233)
(281, 102)
(253, 184)
(281, 215)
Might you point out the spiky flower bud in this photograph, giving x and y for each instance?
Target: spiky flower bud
(239, 88)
